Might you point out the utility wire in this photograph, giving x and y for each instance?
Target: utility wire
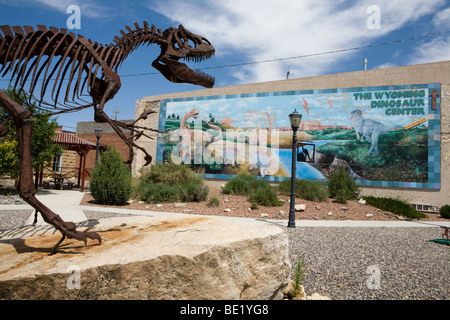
(307, 55)
(297, 57)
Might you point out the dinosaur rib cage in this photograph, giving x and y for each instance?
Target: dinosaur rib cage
(37, 58)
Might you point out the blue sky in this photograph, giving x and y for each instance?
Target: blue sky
(248, 31)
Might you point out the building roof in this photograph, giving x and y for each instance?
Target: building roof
(72, 142)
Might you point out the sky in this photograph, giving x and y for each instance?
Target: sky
(255, 40)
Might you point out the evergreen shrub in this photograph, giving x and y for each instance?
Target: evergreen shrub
(111, 181)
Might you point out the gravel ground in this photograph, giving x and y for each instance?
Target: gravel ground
(344, 263)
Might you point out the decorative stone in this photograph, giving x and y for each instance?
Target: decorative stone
(170, 256)
(249, 209)
(344, 208)
(362, 201)
(227, 210)
(264, 215)
(281, 213)
(180, 205)
(330, 213)
(369, 215)
(300, 207)
(141, 202)
(159, 205)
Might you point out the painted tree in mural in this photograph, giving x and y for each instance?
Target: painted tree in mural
(77, 69)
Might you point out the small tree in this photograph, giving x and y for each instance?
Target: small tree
(44, 128)
(111, 180)
(342, 187)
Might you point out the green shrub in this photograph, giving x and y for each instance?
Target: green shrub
(175, 182)
(213, 201)
(259, 191)
(444, 211)
(193, 191)
(265, 196)
(395, 206)
(169, 173)
(306, 189)
(341, 186)
(157, 193)
(110, 183)
(242, 184)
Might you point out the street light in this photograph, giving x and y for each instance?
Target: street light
(294, 118)
(98, 134)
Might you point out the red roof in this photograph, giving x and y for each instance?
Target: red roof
(72, 142)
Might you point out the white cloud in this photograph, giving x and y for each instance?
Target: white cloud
(435, 50)
(442, 19)
(268, 29)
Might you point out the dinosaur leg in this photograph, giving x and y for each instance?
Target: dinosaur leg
(24, 126)
(102, 117)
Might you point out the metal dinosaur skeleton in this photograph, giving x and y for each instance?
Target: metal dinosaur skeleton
(78, 69)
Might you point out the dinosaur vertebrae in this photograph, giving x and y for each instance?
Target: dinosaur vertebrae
(42, 55)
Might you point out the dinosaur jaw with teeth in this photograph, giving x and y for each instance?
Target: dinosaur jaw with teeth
(178, 72)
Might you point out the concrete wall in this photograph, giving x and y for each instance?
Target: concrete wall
(417, 74)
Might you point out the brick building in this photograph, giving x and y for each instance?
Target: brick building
(86, 131)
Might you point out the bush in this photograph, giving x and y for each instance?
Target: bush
(341, 186)
(193, 191)
(306, 189)
(444, 211)
(174, 182)
(242, 185)
(110, 183)
(157, 193)
(259, 191)
(395, 206)
(213, 201)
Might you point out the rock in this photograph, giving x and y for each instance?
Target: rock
(188, 210)
(180, 205)
(249, 209)
(317, 296)
(281, 213)
(227, 210)
(264, 215)
(170, 256)
(159, 205)
(369, 215)
(300, 207)
(317, 207)
(362, 201)
(225, 200)
(344, 208)
(330, 213)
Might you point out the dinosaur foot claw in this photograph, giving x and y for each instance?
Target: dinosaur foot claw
(72, 233)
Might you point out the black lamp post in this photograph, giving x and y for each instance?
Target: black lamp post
(294, 118)
(98, 134)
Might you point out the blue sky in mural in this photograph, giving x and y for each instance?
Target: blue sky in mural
(293, 36)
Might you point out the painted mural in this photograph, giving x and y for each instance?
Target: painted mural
(384, 136)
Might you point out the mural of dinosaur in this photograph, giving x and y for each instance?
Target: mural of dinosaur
(35, 57)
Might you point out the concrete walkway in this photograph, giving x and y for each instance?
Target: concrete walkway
(67, 205)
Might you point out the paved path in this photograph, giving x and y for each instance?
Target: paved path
(67, 205)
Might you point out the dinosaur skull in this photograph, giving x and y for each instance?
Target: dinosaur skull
(182, 44)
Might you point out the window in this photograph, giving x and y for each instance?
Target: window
(56, 165)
